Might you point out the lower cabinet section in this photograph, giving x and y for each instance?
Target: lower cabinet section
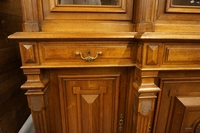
(88, 100)
(113, 100)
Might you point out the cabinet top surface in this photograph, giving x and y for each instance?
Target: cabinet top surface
(106, 35)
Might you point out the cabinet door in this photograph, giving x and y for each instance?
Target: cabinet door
(179, 106)
(92, 100)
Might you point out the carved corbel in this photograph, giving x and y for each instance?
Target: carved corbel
(37, 95)
(145, 99)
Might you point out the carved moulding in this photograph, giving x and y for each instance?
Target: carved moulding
(29, 53)
(152, 54)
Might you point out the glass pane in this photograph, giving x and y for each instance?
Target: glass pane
(89, 2)
(186, 2)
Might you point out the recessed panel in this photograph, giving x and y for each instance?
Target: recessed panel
(181, 54)
(89, 104)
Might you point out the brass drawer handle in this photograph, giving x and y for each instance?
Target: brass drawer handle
(88, 58)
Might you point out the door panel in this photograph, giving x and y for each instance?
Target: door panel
(179, 106)
(91, 101)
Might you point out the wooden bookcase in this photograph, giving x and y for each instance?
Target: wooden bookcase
(111, 69)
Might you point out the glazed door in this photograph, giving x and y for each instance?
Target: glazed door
(92, 100)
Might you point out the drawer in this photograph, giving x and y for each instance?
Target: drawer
(181, 54)
(67, 53)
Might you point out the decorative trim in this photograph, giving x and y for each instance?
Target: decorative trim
(29, 53)
(152, 54)
(28, 49)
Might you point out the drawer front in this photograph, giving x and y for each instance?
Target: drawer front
(181, 54)
(66, 53)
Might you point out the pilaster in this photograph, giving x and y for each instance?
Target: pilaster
(37, 95)
(144, 100)
(144, 15)
(31, 10)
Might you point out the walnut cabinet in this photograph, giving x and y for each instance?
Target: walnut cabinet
(128, 67)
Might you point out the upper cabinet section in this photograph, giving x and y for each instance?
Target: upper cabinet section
(39, 13)
(177, 16)
(89, 9)
(111, 15)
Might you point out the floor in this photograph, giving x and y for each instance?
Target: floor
(28, 126)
